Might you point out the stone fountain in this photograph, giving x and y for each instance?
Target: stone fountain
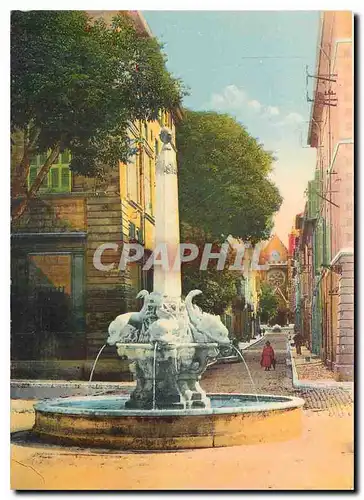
(170, 342)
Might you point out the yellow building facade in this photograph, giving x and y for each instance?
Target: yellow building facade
(137, 189)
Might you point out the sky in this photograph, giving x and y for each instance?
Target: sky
(251, 65)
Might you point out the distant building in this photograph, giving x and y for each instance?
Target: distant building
(293, 239)
(244, 308)
(274, 260)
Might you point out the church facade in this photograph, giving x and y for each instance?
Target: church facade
(273, 264)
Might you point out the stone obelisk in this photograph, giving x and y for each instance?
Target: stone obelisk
(167, 275)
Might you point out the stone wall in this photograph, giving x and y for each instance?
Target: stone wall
(344, 366)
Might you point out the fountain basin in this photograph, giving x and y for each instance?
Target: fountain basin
(231, 419)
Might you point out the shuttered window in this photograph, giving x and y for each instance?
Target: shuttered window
(42, 158)
(32, 174)
(59, 177)
(327, 243)
(132, 231)
(65, 158)
(310, 189)
(314, 191)
(45, 182)
(65, 178)
(132, 178)
(319, 245)
(156, 148)
(147, 184)
(54, 176)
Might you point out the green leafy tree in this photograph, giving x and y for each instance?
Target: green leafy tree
(223, 189)
(268, 304)
(218, 286)
(223, 178)
(76, 84)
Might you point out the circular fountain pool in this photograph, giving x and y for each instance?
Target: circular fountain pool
(231, 419)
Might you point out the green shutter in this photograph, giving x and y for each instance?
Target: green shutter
(54, 178)
(65, 179)
(321, 244)
(318, 246)
(327, 248)
(312, 199)
(32, 175)
(42, 159)
(309, 199)
(65, 157)
(34, 160)
(318, 192)
(45, 184)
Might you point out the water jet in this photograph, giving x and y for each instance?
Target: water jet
(170, 342)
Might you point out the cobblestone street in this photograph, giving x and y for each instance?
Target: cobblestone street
(234, 378)
(299, 464)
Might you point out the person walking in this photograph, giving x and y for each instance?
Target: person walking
(297, 339)
(268, 357)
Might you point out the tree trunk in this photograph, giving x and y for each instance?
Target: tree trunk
(21, 207)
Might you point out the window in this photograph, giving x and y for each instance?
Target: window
(132, 178)
(156, 148)
(59, 177)
(140, 170)
(139, 235)
(148, 186)
(148, 278)
(135, 275)
(33, 171)
(146, 131)
(132, 231)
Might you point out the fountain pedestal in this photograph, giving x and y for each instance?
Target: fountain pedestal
(168, 375)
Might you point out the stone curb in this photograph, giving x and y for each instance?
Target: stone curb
(297, 384)
(236, 358)
(252, 343)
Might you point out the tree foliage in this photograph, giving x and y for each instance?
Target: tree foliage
(218, 286)
(268, 303)
(76, 83)
(223, 189)
(223, 178)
